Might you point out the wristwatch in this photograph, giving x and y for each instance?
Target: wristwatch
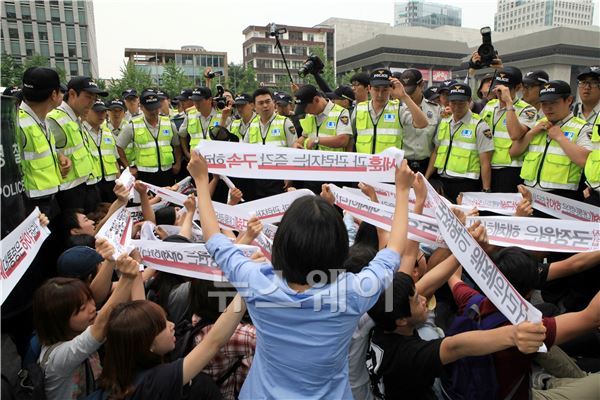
(316, 142)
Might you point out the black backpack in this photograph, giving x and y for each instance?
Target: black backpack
(32, 379)
(374, 357)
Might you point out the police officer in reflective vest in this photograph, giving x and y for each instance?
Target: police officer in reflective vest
(115, 124)
(41, 166)
(378, 122)
(532, 83)
(65, 124)
(464, 147)
(588, 84)
(103, 148)
(558, 145)
(509, 118)
(245, 112)
(132, 102)
(155, 143)
(592, 166)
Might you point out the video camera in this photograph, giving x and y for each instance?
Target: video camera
(220, 100)
(313, 65)
(486, 51)
(213, 74)
(275, 31)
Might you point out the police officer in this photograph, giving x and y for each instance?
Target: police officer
(509, 118)
(431, 94)
(41, 166)
(360, 85)
(343, 96)
(65, 124)
(418, 142)
(589, 93)
(592, 166)
(378, 121)
(284, 105)
(557, 146)
(132, 102)
(184, 104)
(115, 124)
(155, 143)
(532, 83)
(103, 148)
(245, 110)
(464, 147)
(483, 92)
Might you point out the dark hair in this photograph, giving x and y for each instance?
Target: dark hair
(65, 221)
(361, 77)
(165, 215)
(81, 240)
(100, 212)
(311, 237)
(520, 268)
(205, 299)
(359, 256)
(37, 95)
(53, 305)
(261, 91)
(130, 332)
(367, 235)
(403, 288)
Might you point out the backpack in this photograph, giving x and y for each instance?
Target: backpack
(32, 378)
(374, 357)
(474, 378)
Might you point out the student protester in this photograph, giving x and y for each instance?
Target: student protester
(302, 351)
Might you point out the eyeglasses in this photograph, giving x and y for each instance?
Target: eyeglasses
(592, 84)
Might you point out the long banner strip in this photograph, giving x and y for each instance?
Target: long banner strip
(186, 259)
(541, 234)
(271, 209)
(117, 230)
(499, 203)
(479, 265)
(564, 208)
(268, 162)
(19, 249)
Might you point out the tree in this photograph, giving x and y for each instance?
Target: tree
(174, 80)
(345, 79)
(131, 77)
(241, 79)
(12, 72)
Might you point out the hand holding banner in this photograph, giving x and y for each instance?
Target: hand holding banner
(117, 230)
(563, 208)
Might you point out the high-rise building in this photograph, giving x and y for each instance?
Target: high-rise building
(518, 14)
(422, 13)
(62, 31)
(191, 59)
(261, 53)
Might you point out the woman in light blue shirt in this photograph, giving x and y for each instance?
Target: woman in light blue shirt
(305, 306)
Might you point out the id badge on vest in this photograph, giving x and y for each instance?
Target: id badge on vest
(389, 117)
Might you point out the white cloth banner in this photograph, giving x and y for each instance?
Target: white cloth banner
(185, 186)
(271, 209)
(197, 236)
(421, 229)
(168, 195)
(136, 214)
(147, 231)
(268, 162)
(563, 208)
(128, 180)
(264, 244)
(117, 230)
(19, 248)
(499, 203)
(541, 234)
(480, 267)
(386, 194)
(186, 259)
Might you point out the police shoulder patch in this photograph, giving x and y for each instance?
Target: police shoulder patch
(488, 133)
(530, 114)
(344, 120)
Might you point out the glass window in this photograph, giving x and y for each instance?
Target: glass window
(27, 31)
(267, 78)
(263, 48)
(83, 34)
(44, 49)
(70, 34)
(56, 33)
(42, 31)
(58, 50)
(264, 63)
(86, 69)
(54, 14)
(69, 16)
(84, 51)
(29, 48)
(15, 48)
(299, 50)
(40, 14)
(82, 19)
(10, 11)
(25, 11)
(294, 35)
(310, 37)
(72, 51)
(13, 32)
(73, 68)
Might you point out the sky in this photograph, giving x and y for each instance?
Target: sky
(170, 24)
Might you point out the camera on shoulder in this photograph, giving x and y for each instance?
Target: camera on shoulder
(312, 65)
(486, 51)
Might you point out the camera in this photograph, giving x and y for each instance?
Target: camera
(274, 30)
(213, 74)
(486, 50)
(313, 65)
(220, 100)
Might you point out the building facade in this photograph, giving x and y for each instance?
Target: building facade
(262, 54)
(191, 59)
(422, 13)
(518, 14)
(62, 31)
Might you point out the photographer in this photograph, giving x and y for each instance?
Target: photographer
(509, 119)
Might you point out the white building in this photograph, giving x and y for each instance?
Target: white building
(424, 13)
(518, 14)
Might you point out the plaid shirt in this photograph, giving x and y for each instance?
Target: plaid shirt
(242, 344)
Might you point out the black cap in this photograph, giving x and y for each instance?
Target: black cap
(304, 96)
(63, 88)
(40, 78)
(87, 84)
(201, 93)
(78, 262)
(129, 93)
(431, 93)
(162, 94)
(115, 103)
(486, 78)
(283, 98)
(185, 94)
(380, 77)
(508, 76)
(360, 77)
(445, 86)
(343, 92)
(99, 105)
(554, 90)
(13, 91)
(593, 71)
(241, 99)
(460, 92)
(536, 78)
(411, 78)
(150, 99)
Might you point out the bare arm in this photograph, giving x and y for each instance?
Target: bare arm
(122, 157)
(147, 210)
(186, 226)
(199, 171)
(571, 325)
(485, 160)
(398, 234)
(102, 284)
(577, 263)
(430, 166)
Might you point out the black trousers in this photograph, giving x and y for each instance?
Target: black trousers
(419, 165)
(506, 180)
(454, 186)
(72, 198)
(159, 178)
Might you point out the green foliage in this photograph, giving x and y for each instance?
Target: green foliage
(12, 72)
(241, 79)
(345, 79)
(131, 77)
(174, 79)
(328, 71)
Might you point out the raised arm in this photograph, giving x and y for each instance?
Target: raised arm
(199, 171)
(577, 263)
(186, 226)
(571, 325)
(398, 235)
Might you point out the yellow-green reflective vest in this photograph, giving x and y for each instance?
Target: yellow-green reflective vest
(104, 162)
(387, 132)
(547, 164)
(75, 149)
(502, 140)
(39, 163)
(194, 127)
(275, 134)
(457, 154)
(327, 128)
(129, 150)
(236, 126)
(592, 164)
(150, 152)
